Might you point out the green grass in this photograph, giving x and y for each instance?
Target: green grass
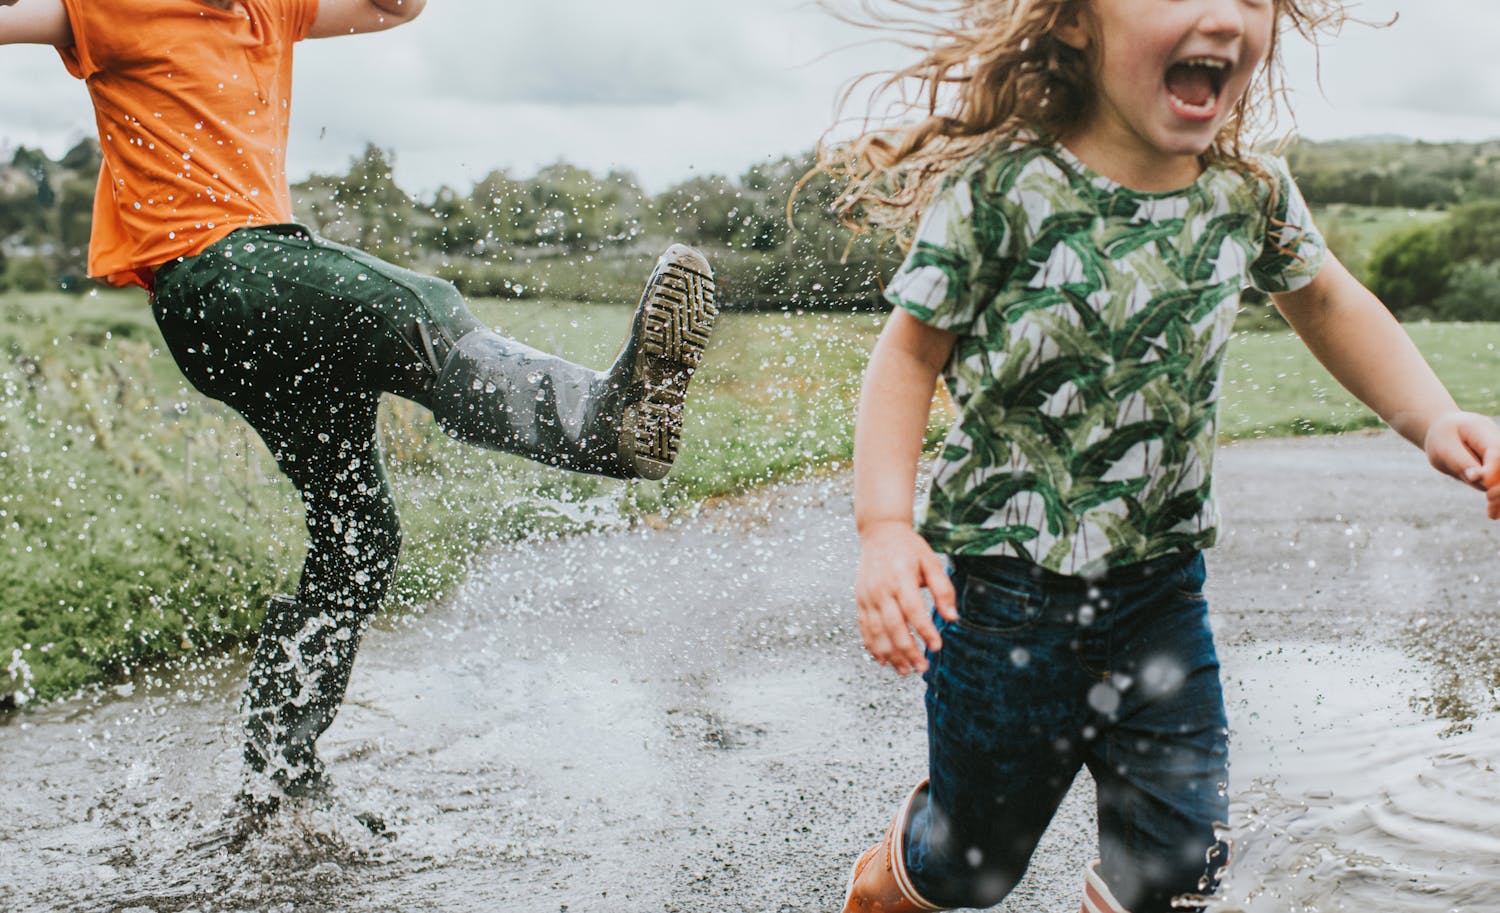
(1274, 388)
(140, 521)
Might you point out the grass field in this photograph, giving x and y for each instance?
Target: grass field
(1274, 388)
(141, 522)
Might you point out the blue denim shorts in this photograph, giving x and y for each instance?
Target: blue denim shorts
(1043, 674)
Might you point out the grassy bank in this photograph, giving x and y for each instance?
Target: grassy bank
(140, 521)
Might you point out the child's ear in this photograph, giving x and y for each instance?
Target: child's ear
(1071, 30)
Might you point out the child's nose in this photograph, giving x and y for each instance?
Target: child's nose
(1224, 18)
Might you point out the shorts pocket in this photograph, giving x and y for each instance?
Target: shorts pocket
(1187, 583)
(994, 606)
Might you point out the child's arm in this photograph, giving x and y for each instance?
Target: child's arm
(358, 17)
(895, 562)
(1366, 350)
(35, 22)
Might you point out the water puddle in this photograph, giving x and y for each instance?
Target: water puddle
(1346, 797)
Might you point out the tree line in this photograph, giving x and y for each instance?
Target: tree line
(563, 231)
(567, 232)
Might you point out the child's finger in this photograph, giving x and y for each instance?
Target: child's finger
(912, 613)
(935, 570)
(920, 621)
(871, 630)
(895, 637)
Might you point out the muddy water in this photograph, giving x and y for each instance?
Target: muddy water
(679, 719)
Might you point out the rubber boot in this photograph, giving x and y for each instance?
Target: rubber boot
(298, 675)
(1097, 897)
(879, 882)
(625, 422)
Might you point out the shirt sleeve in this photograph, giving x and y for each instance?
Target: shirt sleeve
(938, 281)
(296, 16)
(77, 58)
(1292, 249)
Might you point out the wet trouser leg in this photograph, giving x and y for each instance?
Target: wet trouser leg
(302, 662)
(301, 337)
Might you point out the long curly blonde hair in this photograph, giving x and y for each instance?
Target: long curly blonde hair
(994, 70)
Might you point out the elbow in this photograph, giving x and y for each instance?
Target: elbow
(392, 13)
(408, 10)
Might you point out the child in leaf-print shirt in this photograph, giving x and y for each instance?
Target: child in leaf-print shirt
(1088, 218)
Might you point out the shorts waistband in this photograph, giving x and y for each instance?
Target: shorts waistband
(1122, 575)
(285, 229)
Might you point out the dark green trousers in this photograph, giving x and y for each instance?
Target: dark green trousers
(301, 337)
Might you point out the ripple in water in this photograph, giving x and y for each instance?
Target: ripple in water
(1345, 798)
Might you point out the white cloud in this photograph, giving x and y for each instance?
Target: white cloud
(1432, 74)
(669, 88)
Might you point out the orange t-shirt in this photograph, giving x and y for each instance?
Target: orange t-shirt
(193, 104)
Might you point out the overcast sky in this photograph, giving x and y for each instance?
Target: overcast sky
(671, 88)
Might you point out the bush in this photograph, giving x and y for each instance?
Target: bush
(1473, 293)
(28, 274)
(1409, 268)
(1413, 269)
(772, 281)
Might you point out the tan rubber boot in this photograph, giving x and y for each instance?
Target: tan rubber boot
(879, 883)
(1097, 897)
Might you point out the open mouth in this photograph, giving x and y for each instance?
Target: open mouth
(1195, 84)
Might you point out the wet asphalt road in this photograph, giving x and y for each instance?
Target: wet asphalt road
(679, 717)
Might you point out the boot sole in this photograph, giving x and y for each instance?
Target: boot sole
(678, 311)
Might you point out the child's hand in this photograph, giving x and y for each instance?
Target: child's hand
(894, 564)
(1467, 446)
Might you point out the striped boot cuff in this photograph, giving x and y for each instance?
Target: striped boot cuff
(1096, 894)
(898, 854)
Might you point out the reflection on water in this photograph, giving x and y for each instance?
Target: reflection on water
(1346, 798)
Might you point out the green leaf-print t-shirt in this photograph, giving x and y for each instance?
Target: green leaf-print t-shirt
(1092, 321)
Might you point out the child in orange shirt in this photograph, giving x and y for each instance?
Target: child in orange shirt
(302, 337)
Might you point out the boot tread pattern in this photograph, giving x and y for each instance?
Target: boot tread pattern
(679, 312)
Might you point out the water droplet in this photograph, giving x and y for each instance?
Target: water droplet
(1104, 699)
